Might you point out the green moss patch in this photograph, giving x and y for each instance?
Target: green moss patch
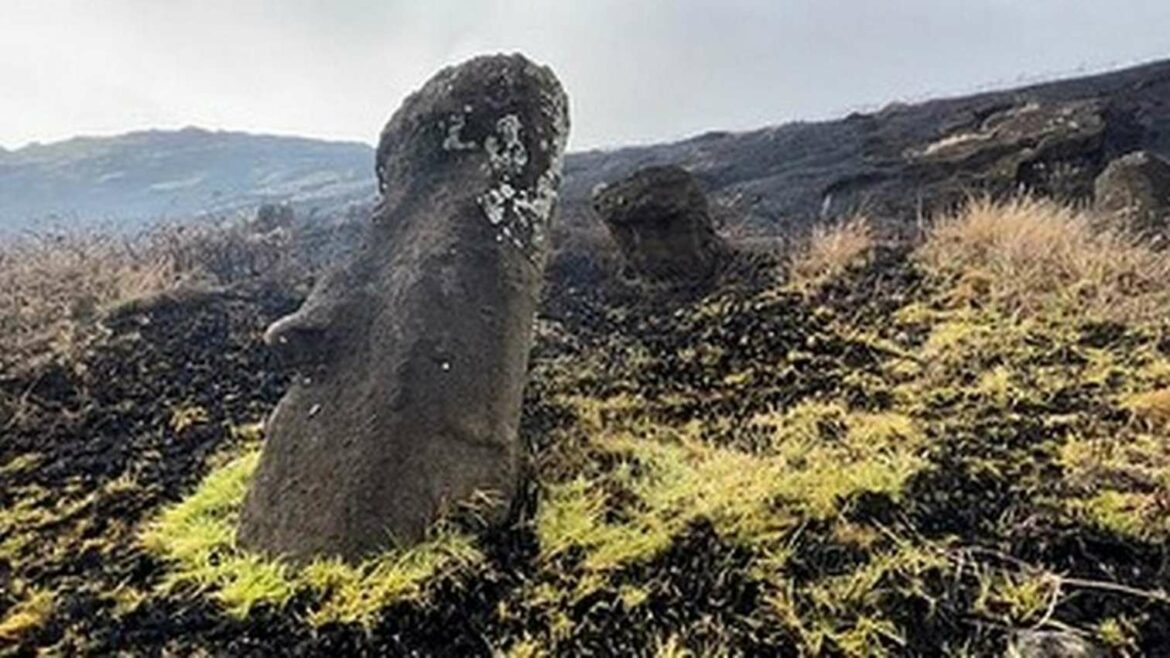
(197, 538)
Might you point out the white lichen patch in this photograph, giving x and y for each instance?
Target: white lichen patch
(495, 200)
(506, 153)
(454, 140)
(539, 204)
(520, 214)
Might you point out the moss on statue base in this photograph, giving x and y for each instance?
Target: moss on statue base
(197, 538)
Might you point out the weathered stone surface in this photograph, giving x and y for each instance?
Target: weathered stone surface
(1046, 148)
(412, 358)
(1053, 644)
(660, 220)
(1134, 193)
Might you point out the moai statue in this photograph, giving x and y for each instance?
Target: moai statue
(411, 359)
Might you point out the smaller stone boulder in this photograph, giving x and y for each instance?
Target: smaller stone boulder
(661, 222)
(1133, 193)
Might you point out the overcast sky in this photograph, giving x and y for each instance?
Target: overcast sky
(635, 70)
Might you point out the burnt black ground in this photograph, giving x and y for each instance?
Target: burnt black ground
(110, 416)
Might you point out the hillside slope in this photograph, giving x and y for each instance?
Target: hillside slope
(789, 175)
(773, 179)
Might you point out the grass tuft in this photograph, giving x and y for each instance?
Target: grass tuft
(830, 251)
(818, 456)
(1030, 255)
(1150, 406)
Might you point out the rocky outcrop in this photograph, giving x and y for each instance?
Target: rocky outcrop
(1053, 149)
(411, 359)
(1133, 193)
(660, 220)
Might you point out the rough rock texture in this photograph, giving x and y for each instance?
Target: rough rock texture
(1053, 644)
(412, 358)
(1134, 192)
(660, 220)
(1046, 148)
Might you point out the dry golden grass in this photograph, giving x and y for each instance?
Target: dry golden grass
(830, 251)
(1029, 255)
(54, 288)
(1152, 406)
(51, 288)
(28, 613)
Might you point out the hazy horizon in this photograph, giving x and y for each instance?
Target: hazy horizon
(636, 71)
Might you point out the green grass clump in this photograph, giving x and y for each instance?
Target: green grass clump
(1039, 321)
(197, 537)
(816, 457)
(648, 482)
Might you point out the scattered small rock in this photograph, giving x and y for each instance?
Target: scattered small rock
(1052, 644)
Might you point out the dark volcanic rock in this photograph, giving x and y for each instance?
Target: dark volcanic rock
(1047, 148)
(661, 223)
(1134, 192)
(412, 358)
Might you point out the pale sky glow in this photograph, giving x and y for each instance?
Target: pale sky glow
(636, 70)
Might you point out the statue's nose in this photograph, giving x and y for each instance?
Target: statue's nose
(298, 341)
(309, 337)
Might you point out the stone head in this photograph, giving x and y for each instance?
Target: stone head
(484, 138)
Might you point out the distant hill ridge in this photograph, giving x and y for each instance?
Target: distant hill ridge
(775, 178)
(134, 179)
